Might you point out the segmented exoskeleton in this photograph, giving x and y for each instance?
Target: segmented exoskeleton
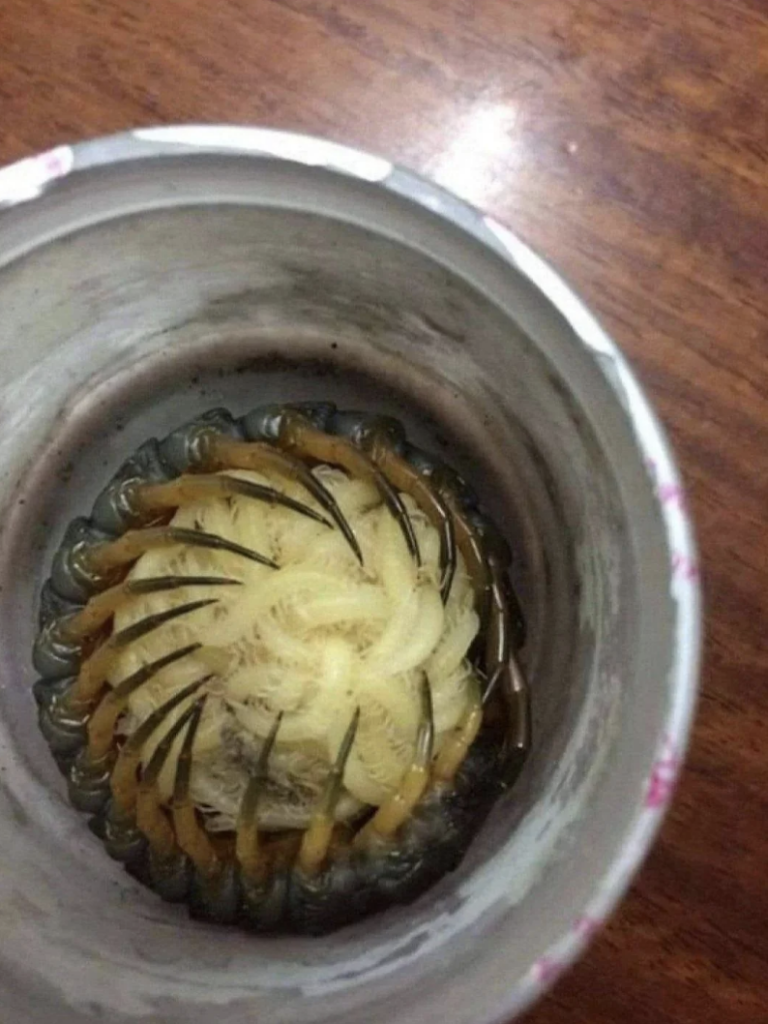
(328, 874)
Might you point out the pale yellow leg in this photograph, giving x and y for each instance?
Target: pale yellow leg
(247, 846)
(103, 560)
(402, 475)
(92, 676)
(94, 670)
(299, 435)
(317, 839)
(395, 811)
(455, 748)
(101, 726)
(184, 490)
(101, 607)
(124, 782)
(471, 548)
(190, 834)
(225, 453)
(260, 457)
(97, 612)
(153, 822)
(151, 818)
(315, 843)
(193, 839)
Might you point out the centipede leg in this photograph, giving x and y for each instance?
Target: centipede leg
(151, 499)
(100, 561)
(82, 741)
(469, 544)
(101, 726)
(456, 746)
(215, 889)
(396, 810)
(317, 838)
(486, 555)
(94, 670)
(123, 779)
(191, 836)
(115, 821)
(64, 641)
(404, 477)
(263, 874)
(101, 607)
(247, 849)
(326, 892)
(168, 867)
(504, 672)
(227, 453)
(298, 435)
(150, 816)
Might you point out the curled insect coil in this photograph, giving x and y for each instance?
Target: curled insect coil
(279, 667)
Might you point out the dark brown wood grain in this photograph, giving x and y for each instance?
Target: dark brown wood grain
(627, 141)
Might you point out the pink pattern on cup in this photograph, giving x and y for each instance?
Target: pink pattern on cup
(56, 162)
(586, 926)
(672, 494)
(684, 567)
(663, 776)
(547, 970)
(27, 178)
(669, 492)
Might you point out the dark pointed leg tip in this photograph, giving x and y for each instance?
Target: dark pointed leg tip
(447, 584)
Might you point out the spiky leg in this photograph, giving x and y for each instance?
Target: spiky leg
(101, 561)
(101, 607)
(221, 452)
(404, 477)
(149, 499)
(316, 840)
(151, 818)
(123, 781)
(469, 544)
(190, 834)
(101, 725)
(93, 672)
(247, 849)
(456, 746)
(503, 671)
(298, 435)
(396, 810)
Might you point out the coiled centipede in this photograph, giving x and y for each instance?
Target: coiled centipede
(154, 657)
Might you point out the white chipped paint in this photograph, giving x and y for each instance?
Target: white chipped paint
(27, 178)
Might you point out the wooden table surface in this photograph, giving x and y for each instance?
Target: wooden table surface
(626, 141)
